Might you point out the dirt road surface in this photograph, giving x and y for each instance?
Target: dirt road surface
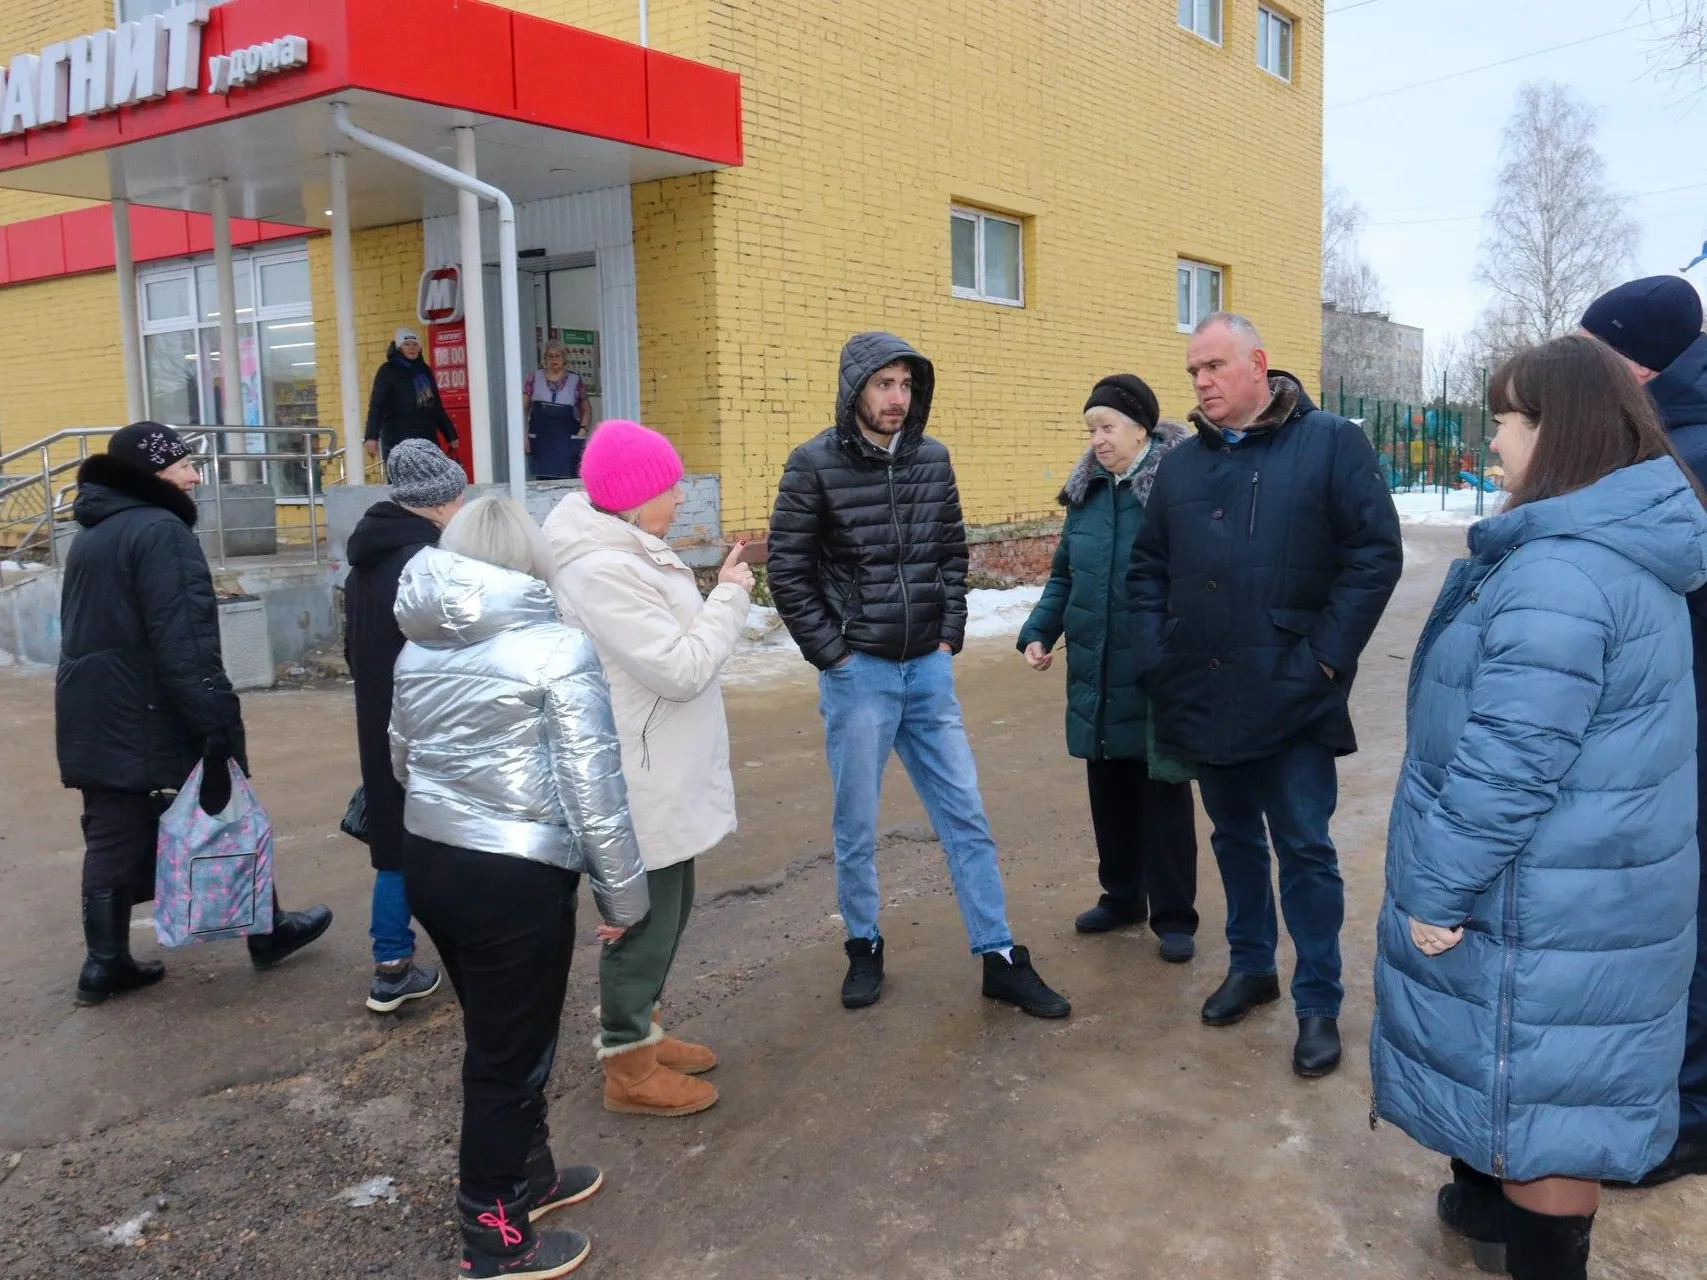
(213, 1122)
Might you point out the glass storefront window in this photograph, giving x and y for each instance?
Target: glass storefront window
(174, 378)
(290, 392)
(207, 293)
(284, 283)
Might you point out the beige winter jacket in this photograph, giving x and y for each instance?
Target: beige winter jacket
(663, 647)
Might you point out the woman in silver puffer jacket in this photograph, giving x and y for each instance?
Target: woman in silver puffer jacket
(503, 739)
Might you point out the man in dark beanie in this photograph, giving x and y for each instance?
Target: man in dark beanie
(142, 693)
(1655, 324)
(426, 491)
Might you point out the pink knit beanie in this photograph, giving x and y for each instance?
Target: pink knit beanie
(626, 465)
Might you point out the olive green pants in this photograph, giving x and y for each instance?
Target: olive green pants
(632, 970)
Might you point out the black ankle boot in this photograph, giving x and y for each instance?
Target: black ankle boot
(1540, 1246)
(292, 931)
(1473, 1204)
(551, 1187)
(108, 969)
(499, 1241)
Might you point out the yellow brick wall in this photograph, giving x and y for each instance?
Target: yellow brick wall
(25, 26)
(66, 369)
(386, 265)
(1126, 141)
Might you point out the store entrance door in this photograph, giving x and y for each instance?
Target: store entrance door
(559, 299)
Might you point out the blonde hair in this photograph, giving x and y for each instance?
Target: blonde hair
(499, 531)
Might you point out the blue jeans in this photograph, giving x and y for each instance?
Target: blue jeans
(870, 707)
(393, 939)
(1296, 791)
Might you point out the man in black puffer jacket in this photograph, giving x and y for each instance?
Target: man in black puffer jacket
(141, 693)
(1268, 553)
(868, 569)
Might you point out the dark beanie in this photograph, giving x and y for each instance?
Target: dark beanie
(1651, 321)
(148, 446)
(1129, 394)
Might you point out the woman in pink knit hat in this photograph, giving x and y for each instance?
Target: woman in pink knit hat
(663, 647)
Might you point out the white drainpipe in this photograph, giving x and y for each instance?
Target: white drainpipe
(507, 285)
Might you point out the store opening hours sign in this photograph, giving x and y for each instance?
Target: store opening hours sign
(130, 64)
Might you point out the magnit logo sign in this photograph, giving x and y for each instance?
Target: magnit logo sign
(128, 65)
(438, 300)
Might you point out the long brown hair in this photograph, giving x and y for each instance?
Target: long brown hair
(1591, 415)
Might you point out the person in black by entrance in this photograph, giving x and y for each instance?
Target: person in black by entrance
(554, 405)
(405, 402)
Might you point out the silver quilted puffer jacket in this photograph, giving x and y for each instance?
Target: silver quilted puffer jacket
(501, 729)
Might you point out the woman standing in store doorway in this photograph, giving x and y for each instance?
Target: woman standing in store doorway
(405, 403)
(554, 404)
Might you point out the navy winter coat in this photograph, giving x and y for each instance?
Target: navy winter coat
(1547, 803)
(1086, 598)
(1261, 560)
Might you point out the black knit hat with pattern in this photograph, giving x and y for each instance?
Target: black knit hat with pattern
(147, 446)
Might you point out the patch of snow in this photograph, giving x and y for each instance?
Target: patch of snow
(370, 1192)
(1002, 613)
(1458, 509)
(126, 1234)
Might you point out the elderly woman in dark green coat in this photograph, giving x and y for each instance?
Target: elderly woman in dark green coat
(1141, 810)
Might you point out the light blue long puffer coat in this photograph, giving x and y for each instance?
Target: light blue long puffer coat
(1547, 802)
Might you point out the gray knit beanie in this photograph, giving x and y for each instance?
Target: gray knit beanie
(421, 475)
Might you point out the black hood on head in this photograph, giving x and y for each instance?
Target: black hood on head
(107, 486)
(387, 527)
(864, 355)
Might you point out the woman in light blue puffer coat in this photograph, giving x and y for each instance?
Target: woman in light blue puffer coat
(1538, 935)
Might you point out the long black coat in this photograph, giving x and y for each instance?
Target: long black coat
(405, 404)
(867, 546)
(1259, 562)
(141, 686)
(384, 540)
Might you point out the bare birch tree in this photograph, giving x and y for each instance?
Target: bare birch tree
(1348, 281)
(1558, 234)
(1684, 46)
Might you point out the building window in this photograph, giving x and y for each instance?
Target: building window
(1203, 17)
(1274, 43)
(1199, 292)
(989, 263)
(182, 368)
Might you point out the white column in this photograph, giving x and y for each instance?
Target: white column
(474, 314)
(230, 360)
(130, 337)
(344, 305)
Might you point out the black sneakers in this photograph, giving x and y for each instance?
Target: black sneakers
(1015, 982)
(395, 985)
(500, 1243)
(864, 982)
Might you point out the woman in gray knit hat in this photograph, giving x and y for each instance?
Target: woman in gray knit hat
(426, 491)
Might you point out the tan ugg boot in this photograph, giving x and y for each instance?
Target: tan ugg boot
(682, 1055)
(636, 1083)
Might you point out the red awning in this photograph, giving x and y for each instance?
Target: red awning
(556, 110)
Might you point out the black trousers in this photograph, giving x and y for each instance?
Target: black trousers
(1146, 844)
(119, 833)
(504, 927)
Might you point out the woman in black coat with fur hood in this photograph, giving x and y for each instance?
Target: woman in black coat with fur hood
(141, 693)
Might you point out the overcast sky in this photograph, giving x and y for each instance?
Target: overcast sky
(1422, 162)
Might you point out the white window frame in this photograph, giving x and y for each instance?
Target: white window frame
(134, 9)
(980, 218)
(1197, 305)
(1217, 12)
(1270, 22)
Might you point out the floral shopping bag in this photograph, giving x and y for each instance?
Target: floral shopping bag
(213, 871)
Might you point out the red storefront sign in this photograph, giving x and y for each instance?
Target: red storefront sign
(447, 353)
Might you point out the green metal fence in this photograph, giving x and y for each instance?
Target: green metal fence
(1426, 446)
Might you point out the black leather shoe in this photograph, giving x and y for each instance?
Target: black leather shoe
(1473, 1205)
(864, 982)
(1015, 982)
(1238, 995)
(1105, 917)
(292, 931)
(1688, 1157)
(1317, 1052)
(1178, 948)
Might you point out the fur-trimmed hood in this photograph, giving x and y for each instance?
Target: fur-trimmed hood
(1167, 437)
(107, 486)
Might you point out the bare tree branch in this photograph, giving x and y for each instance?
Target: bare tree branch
(1348, 281)
(1685, 44)
(1558, 235)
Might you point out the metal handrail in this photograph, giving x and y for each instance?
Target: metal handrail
(207, 443)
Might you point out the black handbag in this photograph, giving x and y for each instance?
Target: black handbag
(355, 815)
